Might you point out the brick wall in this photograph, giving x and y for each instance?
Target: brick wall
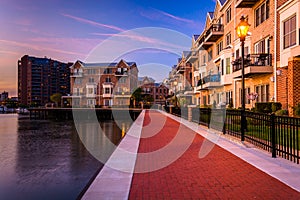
(293, 83)
(282, 87)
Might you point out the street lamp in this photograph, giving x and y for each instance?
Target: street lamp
(242, 30)
(175, 84)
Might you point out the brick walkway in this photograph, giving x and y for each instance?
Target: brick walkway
(219, 175)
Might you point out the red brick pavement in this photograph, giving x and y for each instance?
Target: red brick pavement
(219, 175)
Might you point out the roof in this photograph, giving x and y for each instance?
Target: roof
(196, 37)
(211, 15)
(222, 2)
(114, 64)
(144, 77)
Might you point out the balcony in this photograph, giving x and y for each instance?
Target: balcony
(192, 56)
(208, 82)
(204, 44)
(77, 75)
(122, 94)
(255, 64)
(121, 73)
(214, 32)
(180, 70)
(245, 3)
(107, 95)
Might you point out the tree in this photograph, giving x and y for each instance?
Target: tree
(137, 94)
(56, 98)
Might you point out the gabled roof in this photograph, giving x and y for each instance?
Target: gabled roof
(222, 2)
(195, 37)
(211, 15)
(100, 65)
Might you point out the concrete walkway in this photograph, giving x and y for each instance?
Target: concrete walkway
(169, 166)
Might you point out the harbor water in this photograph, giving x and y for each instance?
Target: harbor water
(43, 159)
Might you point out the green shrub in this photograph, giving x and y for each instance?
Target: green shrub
(297, 110)
(282, 113)
(267, 107)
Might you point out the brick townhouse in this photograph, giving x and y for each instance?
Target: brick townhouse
(270, 66)
(103, 84)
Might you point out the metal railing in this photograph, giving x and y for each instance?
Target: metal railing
(215, 28)
(262, 59)
(276, 134)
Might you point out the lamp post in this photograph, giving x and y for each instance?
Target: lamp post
(175, 84)
(242, 30)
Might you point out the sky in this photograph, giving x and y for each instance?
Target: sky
(151, 33)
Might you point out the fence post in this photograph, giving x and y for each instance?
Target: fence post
(224, 121)
(273, 136)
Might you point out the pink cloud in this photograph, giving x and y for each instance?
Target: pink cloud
(39, 48)
(174, 17)
(93, 23)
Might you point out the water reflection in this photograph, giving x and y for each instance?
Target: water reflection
(47, 160)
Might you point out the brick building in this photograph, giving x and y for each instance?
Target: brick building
(288, 53)
(103, 84)
(39, 78)
(215, 55)
(157, 91)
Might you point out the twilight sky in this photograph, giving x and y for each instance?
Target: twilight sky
(98, 31)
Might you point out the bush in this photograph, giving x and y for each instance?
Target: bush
(297, 110)
(282, 113)
(276, 106)
(267, 107)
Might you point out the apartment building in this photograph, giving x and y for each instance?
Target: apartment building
(215, 55)
(158, 92)
(103, 84)
(39, 78)
(288, 53)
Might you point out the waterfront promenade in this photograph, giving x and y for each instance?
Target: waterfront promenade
(228, 170)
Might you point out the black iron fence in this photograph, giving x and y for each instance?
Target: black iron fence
(276, 134)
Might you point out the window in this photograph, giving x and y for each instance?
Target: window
(227, 65)
(204, 100)
(209, 55)
(91, 71)
(219, 47)
(204, 59)
(228, 15)
(90, 91)
(228, 97)
(262, 13)
(263, 93)
(237, 53)
(107, 80)
(259, 47)
(107, 71)
(289, 32)
(106, 90)
(91, 80)
(228, 39)
(222, 67)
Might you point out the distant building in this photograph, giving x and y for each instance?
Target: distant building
(103, 84)
(157, 91)
(145, 80)
(3, 96)
(39, 78)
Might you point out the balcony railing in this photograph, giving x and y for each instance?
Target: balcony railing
(121, 93)
(245, 3)
(180, 69)
(254, 64)
(209, 81)
(117, 73)
(192, 56)
(214, 32)
(77, 74)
